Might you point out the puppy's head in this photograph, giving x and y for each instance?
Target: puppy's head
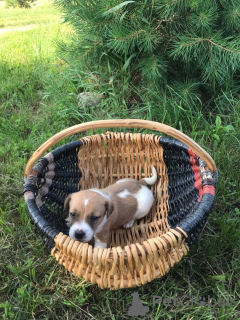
(88, 212)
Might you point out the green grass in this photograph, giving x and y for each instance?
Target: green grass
(38, 98)
(41, 12)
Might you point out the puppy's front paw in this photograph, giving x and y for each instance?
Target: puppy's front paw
(129, 224)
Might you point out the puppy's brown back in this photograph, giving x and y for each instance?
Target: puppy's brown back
(133, 186)
(122, 211)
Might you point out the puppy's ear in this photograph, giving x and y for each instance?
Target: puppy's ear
(109, 208)
(66, 203)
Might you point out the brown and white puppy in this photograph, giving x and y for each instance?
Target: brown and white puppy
(94, 212)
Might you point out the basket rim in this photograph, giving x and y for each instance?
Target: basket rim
(118, 123)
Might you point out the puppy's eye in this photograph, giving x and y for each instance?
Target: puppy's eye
(72, 214)
(94, 218)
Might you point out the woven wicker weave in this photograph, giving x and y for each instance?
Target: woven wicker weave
(184, 194)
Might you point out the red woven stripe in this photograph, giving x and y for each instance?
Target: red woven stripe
(190, 152)
(209, 189)
(193, 157)
(197, 174)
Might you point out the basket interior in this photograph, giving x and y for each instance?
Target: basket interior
(104, 159)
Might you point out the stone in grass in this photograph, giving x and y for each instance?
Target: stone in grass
(89, 99)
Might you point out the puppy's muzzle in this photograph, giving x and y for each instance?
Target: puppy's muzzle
(80, 234)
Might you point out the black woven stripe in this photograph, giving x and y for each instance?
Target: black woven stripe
(184, 209)
(52, 211)
(65, 181)
(44, 161)
(208, 182)
(67, 188)
(173, 143)
(31, 181)
(29, 187)
(46, 229)
(195, 221)
(66, 150)
(66, 164)
(50, 218)
(182, 193)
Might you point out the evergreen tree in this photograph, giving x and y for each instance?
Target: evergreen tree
(186, 50)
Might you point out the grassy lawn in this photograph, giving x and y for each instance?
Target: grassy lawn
(42, 12)
(38, 98)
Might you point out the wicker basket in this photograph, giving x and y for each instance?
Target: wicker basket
(184, 194)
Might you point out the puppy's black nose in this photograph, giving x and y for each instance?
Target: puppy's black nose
(79, 234)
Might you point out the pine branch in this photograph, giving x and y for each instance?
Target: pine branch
(131, 36)
(161, 40)
(164, 20)
(89, 50)
(198, 40)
